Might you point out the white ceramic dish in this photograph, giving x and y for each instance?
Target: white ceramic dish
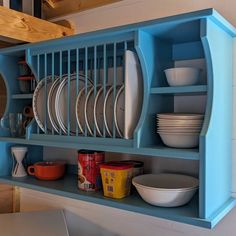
(191, 131)
(108, 110)
(80, 109)
(166, 190)
(180, 116)
(179, 122)
(180, 127)
(61, 103)
(98, 110)
(182, 76)
(133, 93)
(40, 104)
(51, 105)
(180, 140)
(89, 110)
(119, 110)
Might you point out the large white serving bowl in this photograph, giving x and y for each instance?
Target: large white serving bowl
(182, 76)
(180, 140)
(166, 190)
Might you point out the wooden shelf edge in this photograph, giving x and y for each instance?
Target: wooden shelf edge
(21, 27)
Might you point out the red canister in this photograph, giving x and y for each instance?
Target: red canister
(89, 177)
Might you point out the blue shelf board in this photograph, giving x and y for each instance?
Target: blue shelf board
(22, 96)
(164, 151)
(67, 187)
(155, 151)
(180, 89)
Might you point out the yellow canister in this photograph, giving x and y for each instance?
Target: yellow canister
(116, 179)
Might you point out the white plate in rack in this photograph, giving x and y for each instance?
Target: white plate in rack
(119, 110)
(51, 105)
(108, 109)
(80, 109)
(40, 103)
(98, 110)
(133, 93)
(62, 97)
(89, 109)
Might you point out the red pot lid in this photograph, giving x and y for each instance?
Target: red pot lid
(116, 165)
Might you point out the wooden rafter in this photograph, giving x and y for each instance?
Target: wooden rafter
(19, 27)
(55, 8)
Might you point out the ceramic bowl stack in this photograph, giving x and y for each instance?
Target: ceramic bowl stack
(179, 130)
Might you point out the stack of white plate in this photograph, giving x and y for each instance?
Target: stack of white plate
(179, 130)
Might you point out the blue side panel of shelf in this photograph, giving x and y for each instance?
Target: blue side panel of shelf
(215, 146)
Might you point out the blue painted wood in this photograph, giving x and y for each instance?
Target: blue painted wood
(67, 187)
(22, 96)
(215, 141)
(149, 50)
(199, 89)
(188, 51)
(202, 34)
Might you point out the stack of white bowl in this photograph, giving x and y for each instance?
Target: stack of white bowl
(179, 130)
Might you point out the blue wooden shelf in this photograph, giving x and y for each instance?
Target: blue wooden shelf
(158, 44)
(22, 96)
(67, 187)
(156, 151)
(199, 89)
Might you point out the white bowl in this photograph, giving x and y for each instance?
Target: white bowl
(180, 116)
(180, 140)
(182, 76)
(166, 190)
(182, 131)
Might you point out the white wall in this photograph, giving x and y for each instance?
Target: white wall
(90, 219)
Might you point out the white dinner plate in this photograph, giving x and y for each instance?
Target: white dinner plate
(133, 93)
(98, 110)
(65, 114)
(89, 109)
(108, 109)
(51, 105)
(119, 111)
(40, 103)
(80, 109)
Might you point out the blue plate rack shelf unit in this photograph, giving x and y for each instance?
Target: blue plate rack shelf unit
(158, 44)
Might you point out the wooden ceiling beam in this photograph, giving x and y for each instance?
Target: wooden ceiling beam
(55, 8)
(21, 27)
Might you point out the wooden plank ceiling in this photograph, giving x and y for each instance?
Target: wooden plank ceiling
(55, 8)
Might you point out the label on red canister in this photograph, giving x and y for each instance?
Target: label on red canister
(89, 177)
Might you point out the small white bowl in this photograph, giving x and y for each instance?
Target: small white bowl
(166, 190)
(180, 140)
(182, 76)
